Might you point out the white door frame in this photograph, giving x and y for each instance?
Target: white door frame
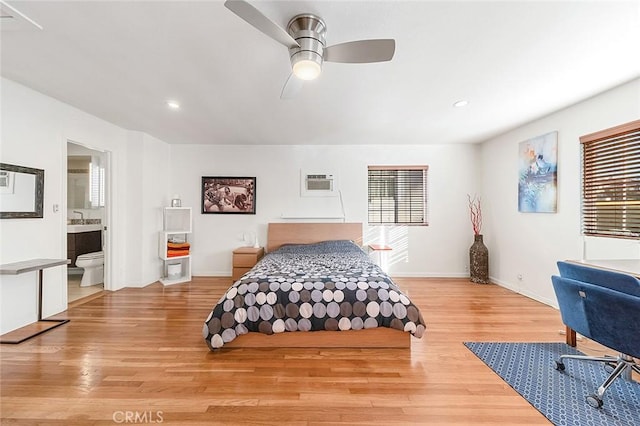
(107, 240)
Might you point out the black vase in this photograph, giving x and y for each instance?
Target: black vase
(479, 261)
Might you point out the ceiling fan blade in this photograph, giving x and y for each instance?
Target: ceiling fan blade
(254, 17)
(292, 87)
(361, 51)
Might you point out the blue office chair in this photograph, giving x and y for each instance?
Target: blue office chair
(603, 306)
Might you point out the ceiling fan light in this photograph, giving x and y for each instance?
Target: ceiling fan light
(306, 69)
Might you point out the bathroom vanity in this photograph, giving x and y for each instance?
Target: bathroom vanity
(83, 239)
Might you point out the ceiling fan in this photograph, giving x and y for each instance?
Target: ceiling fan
(305, 39)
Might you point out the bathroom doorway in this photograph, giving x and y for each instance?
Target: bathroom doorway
(87, 219)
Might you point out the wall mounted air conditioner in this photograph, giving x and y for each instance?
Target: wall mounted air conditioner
(314, 184)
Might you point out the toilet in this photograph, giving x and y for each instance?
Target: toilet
(93, 264)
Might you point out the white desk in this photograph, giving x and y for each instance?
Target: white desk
(624, 266)
(29, 266)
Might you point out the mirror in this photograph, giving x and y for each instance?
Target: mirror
(21, 192)
(78, 181)
(85, 181)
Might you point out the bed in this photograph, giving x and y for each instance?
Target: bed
(315, 287)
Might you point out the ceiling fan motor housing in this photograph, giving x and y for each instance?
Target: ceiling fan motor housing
(309, 31)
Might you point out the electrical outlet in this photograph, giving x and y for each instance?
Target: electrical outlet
(519, 277)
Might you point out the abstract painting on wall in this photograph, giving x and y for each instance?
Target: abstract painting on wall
(538, 174)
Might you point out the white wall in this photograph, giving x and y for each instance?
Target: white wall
(440, 249)
(148, 177)
(530, 244)
(156, 173)
(34, 133)
(145, 172)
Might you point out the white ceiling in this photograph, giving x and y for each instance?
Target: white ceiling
(513, 61)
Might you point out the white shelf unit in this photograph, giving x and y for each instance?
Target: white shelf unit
(176, 228)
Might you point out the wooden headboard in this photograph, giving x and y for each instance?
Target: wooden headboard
(306, 233)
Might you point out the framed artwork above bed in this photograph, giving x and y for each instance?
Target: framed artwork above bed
(228, 195)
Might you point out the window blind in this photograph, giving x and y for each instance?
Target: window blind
(397, 195)
(611, 182)
(96, 185)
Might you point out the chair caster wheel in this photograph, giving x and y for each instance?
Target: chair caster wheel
(594, 400)
(559, 366)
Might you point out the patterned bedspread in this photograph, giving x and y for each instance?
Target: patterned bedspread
(332, 285)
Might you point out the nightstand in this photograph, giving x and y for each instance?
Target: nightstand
(245, 258)
(381, 250)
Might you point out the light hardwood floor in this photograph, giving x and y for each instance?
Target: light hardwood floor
(75, 292)
(140, 352)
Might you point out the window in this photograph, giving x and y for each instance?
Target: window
(398, 195)
(611, 182)
(96, 185)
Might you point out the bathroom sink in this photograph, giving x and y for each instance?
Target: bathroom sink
(74, 229)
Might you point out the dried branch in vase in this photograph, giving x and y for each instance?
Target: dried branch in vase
(475, 212)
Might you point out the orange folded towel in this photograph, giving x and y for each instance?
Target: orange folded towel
(178, 245)
(174, 253)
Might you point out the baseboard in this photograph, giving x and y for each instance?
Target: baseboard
(211, 273)
(393, 274)
(429, 275)
(517, 289)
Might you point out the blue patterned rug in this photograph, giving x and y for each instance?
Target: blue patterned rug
(529, 368)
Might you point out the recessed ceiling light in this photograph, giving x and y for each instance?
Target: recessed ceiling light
(461, 103)
(173, 104)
